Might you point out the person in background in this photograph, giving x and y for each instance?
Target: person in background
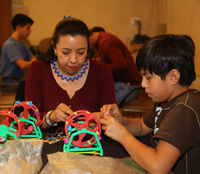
(137, 43)
(93, 53)
(112, 51)
(167, 66)
(15, 56)
(66, 81)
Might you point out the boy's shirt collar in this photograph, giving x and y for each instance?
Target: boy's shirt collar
(168, 103)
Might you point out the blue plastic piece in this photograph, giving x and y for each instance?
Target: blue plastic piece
(70, 128)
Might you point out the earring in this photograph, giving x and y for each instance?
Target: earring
(55, 53)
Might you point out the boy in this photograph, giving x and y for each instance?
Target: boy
(167, 66)
(15, 56)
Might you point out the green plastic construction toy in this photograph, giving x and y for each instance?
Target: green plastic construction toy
(25, 126)
(83, 132)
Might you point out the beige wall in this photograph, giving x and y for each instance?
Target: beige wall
(182, 17)
(113, 15)
(156, 16)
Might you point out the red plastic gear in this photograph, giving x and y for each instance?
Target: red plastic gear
(74, 122)
(25, 114)
(7, 122)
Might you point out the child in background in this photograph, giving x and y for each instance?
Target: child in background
(15, 56)
(167, 66)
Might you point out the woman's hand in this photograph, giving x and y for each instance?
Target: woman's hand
(97, 115)
(112, 110)
(61, 113)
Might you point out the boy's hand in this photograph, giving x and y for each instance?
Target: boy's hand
(113, 128)
(112, 110)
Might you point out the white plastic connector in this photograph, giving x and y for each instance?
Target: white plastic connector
(133, 21)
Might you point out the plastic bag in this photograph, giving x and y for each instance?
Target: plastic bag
(21, 156)
(72, 163)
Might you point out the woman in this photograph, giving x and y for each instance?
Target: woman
(67, 81)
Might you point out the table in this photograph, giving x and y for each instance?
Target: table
(110, 147)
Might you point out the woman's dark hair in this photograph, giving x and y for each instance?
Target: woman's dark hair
(68, 26)
(163, 53)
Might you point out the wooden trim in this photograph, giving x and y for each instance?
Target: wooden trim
(5, 21)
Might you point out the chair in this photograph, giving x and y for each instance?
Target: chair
(43, 47)
(32, 48)
(138, 105)
(26, 42)
(7, 95)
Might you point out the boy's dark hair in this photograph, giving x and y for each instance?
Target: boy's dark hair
(96, 29)
(163, 53)
(21, 19)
